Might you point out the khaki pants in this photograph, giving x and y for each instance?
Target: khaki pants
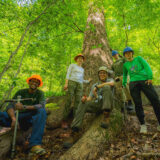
(122, 94)
(106, 103)
(75, 90)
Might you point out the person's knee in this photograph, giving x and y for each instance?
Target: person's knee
(42, 112)
(106, 88)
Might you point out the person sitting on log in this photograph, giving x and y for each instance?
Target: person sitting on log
(100, 100)
(122, 94)
(31, 113)
(74, 86)
(141, 77)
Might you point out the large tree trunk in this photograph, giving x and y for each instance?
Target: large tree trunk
(95, 47)
(97, 53)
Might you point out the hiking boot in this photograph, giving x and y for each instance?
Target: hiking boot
(105, 122)
(64, 125)
(69, 141)
(143, 129)
(158, 128)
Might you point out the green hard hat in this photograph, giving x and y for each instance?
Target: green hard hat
(103, 68)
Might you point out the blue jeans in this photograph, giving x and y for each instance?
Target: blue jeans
(35, 119)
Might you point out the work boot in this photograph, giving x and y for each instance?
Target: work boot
(64, 125)
(105, 122)
(158, 128)
(143, 129)
(130, 107)
(72, 138)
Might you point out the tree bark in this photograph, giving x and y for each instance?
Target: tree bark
(97, 53)
(93, 140)
(95, 47)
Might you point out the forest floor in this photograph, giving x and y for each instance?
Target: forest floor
(128, 145)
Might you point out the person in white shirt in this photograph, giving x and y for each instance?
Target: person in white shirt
(74, 87)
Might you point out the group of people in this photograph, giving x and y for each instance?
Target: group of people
(103, 93)
(100, 100)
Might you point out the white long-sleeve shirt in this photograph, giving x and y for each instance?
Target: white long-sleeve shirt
(76, 73)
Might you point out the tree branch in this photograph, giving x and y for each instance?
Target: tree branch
(78, 28)
(21, 40)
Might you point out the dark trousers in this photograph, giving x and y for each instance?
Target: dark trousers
(135, 89)
(35, 119)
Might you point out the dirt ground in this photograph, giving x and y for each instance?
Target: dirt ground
(128, 145)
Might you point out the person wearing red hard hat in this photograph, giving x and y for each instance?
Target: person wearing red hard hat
(31, 113)
(74, 86)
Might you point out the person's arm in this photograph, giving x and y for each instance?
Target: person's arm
(86, 99)
(146, 67)
(106, 83)
(68, 76)
(11, 110)
(125, 73)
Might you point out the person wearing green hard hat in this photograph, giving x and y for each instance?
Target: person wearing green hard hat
(100, 100)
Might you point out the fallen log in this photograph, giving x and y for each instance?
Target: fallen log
(92, 142)
(5, 142)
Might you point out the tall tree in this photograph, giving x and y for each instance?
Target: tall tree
(97, 53)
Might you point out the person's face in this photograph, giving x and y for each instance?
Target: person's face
(103, 75)
(115, 56)
(129, 55)
(33, 84)
(79, 60)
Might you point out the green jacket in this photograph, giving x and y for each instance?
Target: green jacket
(137, 69)
(117, 66)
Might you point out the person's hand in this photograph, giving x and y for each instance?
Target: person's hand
(95, 92)
(19, 106)
(148, 82)
(117, 79)
(65, 86)
(89, 80)
(84, 99)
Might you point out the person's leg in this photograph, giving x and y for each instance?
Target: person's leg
(78, 96)
(90, 106)
(69, 98)
(38, 124)
(135, 90)
(107, 105)
(119, 95)
(129, 104)
(107, 97)
(151, 94)
(5, 120)
(78, 119)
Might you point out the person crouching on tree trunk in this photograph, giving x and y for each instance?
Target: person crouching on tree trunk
(140, 80)
(74, 87)
(32, 113)
(99, 100)
(122, 94)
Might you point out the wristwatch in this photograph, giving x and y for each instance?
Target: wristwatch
(24, 107)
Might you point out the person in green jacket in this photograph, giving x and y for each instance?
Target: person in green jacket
(122, 94)
(141, 77)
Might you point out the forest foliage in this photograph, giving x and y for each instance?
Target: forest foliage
(43, 36)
